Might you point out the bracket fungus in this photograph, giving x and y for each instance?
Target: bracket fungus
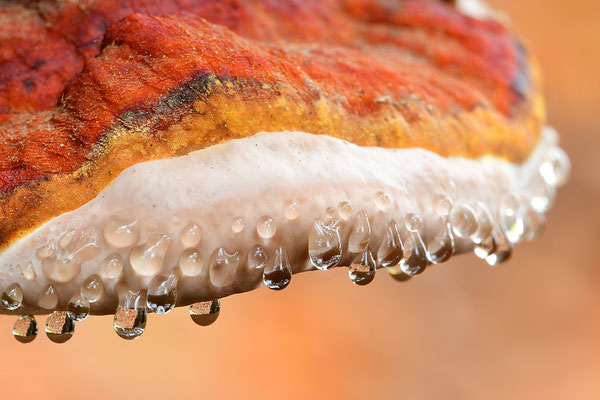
(156, 154)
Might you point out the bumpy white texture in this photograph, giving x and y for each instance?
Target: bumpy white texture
(251, 178)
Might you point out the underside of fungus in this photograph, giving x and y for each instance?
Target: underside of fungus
(190, 152)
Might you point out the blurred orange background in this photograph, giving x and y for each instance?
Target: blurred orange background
(527, 330)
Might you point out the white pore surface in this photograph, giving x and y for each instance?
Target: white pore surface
(251, 178)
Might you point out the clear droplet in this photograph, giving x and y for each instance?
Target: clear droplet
(442, 206)
(28, 272)
(121, 233)
(484, 224)
(25, 329)
(441, 247)
(383, 201)
(238, 225)
(48, 298)
(47, 250)
(80, 245)
(92, 288)
(414, 260)
(112, 266)
(278, 272)
(345, 210)
(291, 210)
(397, 273)
(485, 247)
(257, 258)
(60, 271)
(130, 318)
(503, 249)
(162, 294)
(361, 234)
(12, 298)
(556, 167)
(59, 327)
(535, 223)
(511, 218)
(148, 258)
(324, 244)
(391, 249)
(205, 313)
(266, 227)
(463, 220)
(191, 262)
(362, 269)
(78, 308)
(222, 267)
(190, 235)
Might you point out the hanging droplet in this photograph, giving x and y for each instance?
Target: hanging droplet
(12, 297)
(344, 210)
(148, 258)
(441, 247)
(92, 288)
(415, 259)
(25, 329)
(130, 318)
(324, 244)
(391, 249)
(485, 247)
(266, 227)
(503, 249)
(238, 225)
(484, 224)
(120, 233)
(556, 167)
(463, 220)
(222, 267)
(78, 308)
(362, 269)
(48, 298)
(205, 313)
(59, 327)
(383, 201)
(535, 223)
(511, 218)
(28, 272)
(397, 273)
(190, 235)
(61, 271)
(291, 210)
(112, 266)
(191, 262)
(47, 250)
(278, 272)
(162, 294)
(257, 258)
(361, 233)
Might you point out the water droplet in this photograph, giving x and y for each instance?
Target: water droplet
(257, 258)
(503, 249)
(485, 247)
(48, 298)
(383, 201)
(223, 266)
(120, 233)
(60, 271)
(414, 260)
(556, 167)
(47, 250)
(330, 212)
(12, 297)
(11, 271)
(148, 258)
(362, 269)
(345, 210)
(205, 313)
(441, 247)
(28, 272)
(92, 288)
(25, 329)
(361, 233)
(391, 250)
(463, 220)
(278, 272)
(324, 244)
(79, 245)
(291, 210)
(238, 225)
(59, 327)
(112, 266)
(266, 227)
(78, 308)
(511, 218)
(162, 294)
(535, 223)
(130, 318)
(442, 205)
(190, 262)
(484, 223)
(191, 235)
(397, 273)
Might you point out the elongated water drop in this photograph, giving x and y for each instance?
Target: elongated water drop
(78, 308)
(25, 329)
(206, 312)
(503, 249)
(361, 233)
(484, 223)
(222, 267)
(162, 294)
(391, 249)
(12, 298)
(120, 233)
(148, 258)
(362, 269)
(463, 220)
(485, 247)
(92, 288)
(415, 259)
(511, 218)
(130, 318)
(59, 327)
(535, 223)
(324, 244)
(441, 247)
(278, 272)
(556, 167)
